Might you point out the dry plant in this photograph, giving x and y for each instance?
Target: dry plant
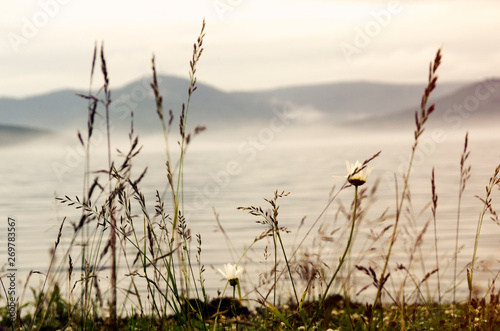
(420, 120)
(464, 177)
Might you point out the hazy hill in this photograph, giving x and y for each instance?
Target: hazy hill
(355, 100)
(330, 104)
(48, 111)
(209, 106)
(473, 105)
(63, 110)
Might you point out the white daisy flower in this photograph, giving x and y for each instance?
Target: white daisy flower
(231, 273)
(356, 175)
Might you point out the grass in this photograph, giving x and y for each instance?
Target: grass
(303, 289)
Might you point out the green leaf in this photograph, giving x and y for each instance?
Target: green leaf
(278, 314)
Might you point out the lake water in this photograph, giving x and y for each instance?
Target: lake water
(224, 171)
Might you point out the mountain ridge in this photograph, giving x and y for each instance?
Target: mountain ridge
(473, 105)
(338, 103)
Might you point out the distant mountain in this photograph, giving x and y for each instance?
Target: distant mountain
(355, 100)
(208, 106)
(329, 104)
(63, 110)
(48, 111)
(473, 105)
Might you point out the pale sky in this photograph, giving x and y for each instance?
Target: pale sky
(46, 45)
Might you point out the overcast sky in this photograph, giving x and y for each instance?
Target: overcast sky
(47, 45)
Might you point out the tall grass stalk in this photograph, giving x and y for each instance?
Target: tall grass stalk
(420, 120)
(464, 176)
(88, 259)
(45, 293)
(92, 106)
(177, 186)
(271, 219)
(434, 208)
(112, 216)
(494, 181)
(179, 195)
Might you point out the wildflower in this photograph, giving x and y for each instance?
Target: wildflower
(232, 273)
(356, 173)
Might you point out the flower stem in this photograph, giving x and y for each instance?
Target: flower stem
(349, 241)
(233, 304)
(275, 267)
(288, 266)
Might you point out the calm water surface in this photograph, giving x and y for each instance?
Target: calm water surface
(221, 176)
